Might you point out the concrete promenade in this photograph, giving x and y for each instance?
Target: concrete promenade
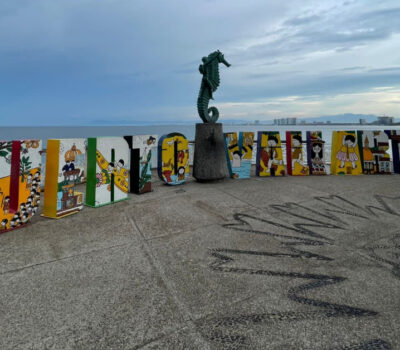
(265, 263)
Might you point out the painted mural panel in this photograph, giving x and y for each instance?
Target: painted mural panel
(20, 177)
(107, 170)
(394, 136)
(375, 158)
(140, 159)
(269, 154)
(82, 178)
(294, 154)
(239, 152)
(173, 158)
(65, 164)
(316, 153)
(345, 155)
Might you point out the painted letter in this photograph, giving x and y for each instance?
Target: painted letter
(19, 182)
(239, 153)
(269, 154)
(173, 158)
(394, 135)
(141, 148)
(107, 170)
(345, 155)
(65, 164)
(316, 153)
(294, 154)
(374, 156)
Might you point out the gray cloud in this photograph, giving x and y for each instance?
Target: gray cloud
(298, 21)
(97, 58)
(339, 29)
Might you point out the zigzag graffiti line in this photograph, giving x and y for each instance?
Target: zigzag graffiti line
(286, 207)
(374, 344)
(296, 227)
(244, 226)
(303, 254)
(333, 309)
(363, 212)
(326, 309)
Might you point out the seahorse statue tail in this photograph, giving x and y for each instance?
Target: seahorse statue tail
(208, 115)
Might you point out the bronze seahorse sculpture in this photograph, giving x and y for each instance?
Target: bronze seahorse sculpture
(210, 82)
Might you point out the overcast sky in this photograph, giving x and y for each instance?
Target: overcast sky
(91, 62)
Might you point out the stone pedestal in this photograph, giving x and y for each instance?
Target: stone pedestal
(209, 153)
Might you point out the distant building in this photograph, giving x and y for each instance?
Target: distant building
(363, 121)
(285, 121)
(256, 122)
(385, 120)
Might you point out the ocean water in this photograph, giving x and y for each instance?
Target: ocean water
(47, 132)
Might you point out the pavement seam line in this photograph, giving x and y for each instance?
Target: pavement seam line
(169, 286)
(178, 233)
(240, 199)
(64, 258)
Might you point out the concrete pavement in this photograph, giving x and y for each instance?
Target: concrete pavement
(263, 263)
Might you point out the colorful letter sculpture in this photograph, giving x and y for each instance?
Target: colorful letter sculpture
(294, 154)
(141, 152)
(19, 182)
(315, 153)
(269, 154)
(65, 166)
(374, 156)
(394, 136)
(173, 158)
(345, 155)
(107, 170)
(239, 153)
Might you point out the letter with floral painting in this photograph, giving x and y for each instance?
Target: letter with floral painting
(20, 176)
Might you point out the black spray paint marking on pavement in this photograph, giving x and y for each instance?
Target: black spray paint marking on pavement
(216, 329)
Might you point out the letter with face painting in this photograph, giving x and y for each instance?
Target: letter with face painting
(345, 155)
(65, 166)
(269, 161)
(315, 153)
(294, 154)
(107, 170)
(173, 158)
(141, 149)
(239, 153)
(20, 163)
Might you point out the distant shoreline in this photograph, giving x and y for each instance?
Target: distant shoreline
(193, 124)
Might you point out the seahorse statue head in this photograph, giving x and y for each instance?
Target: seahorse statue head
(210, 82)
